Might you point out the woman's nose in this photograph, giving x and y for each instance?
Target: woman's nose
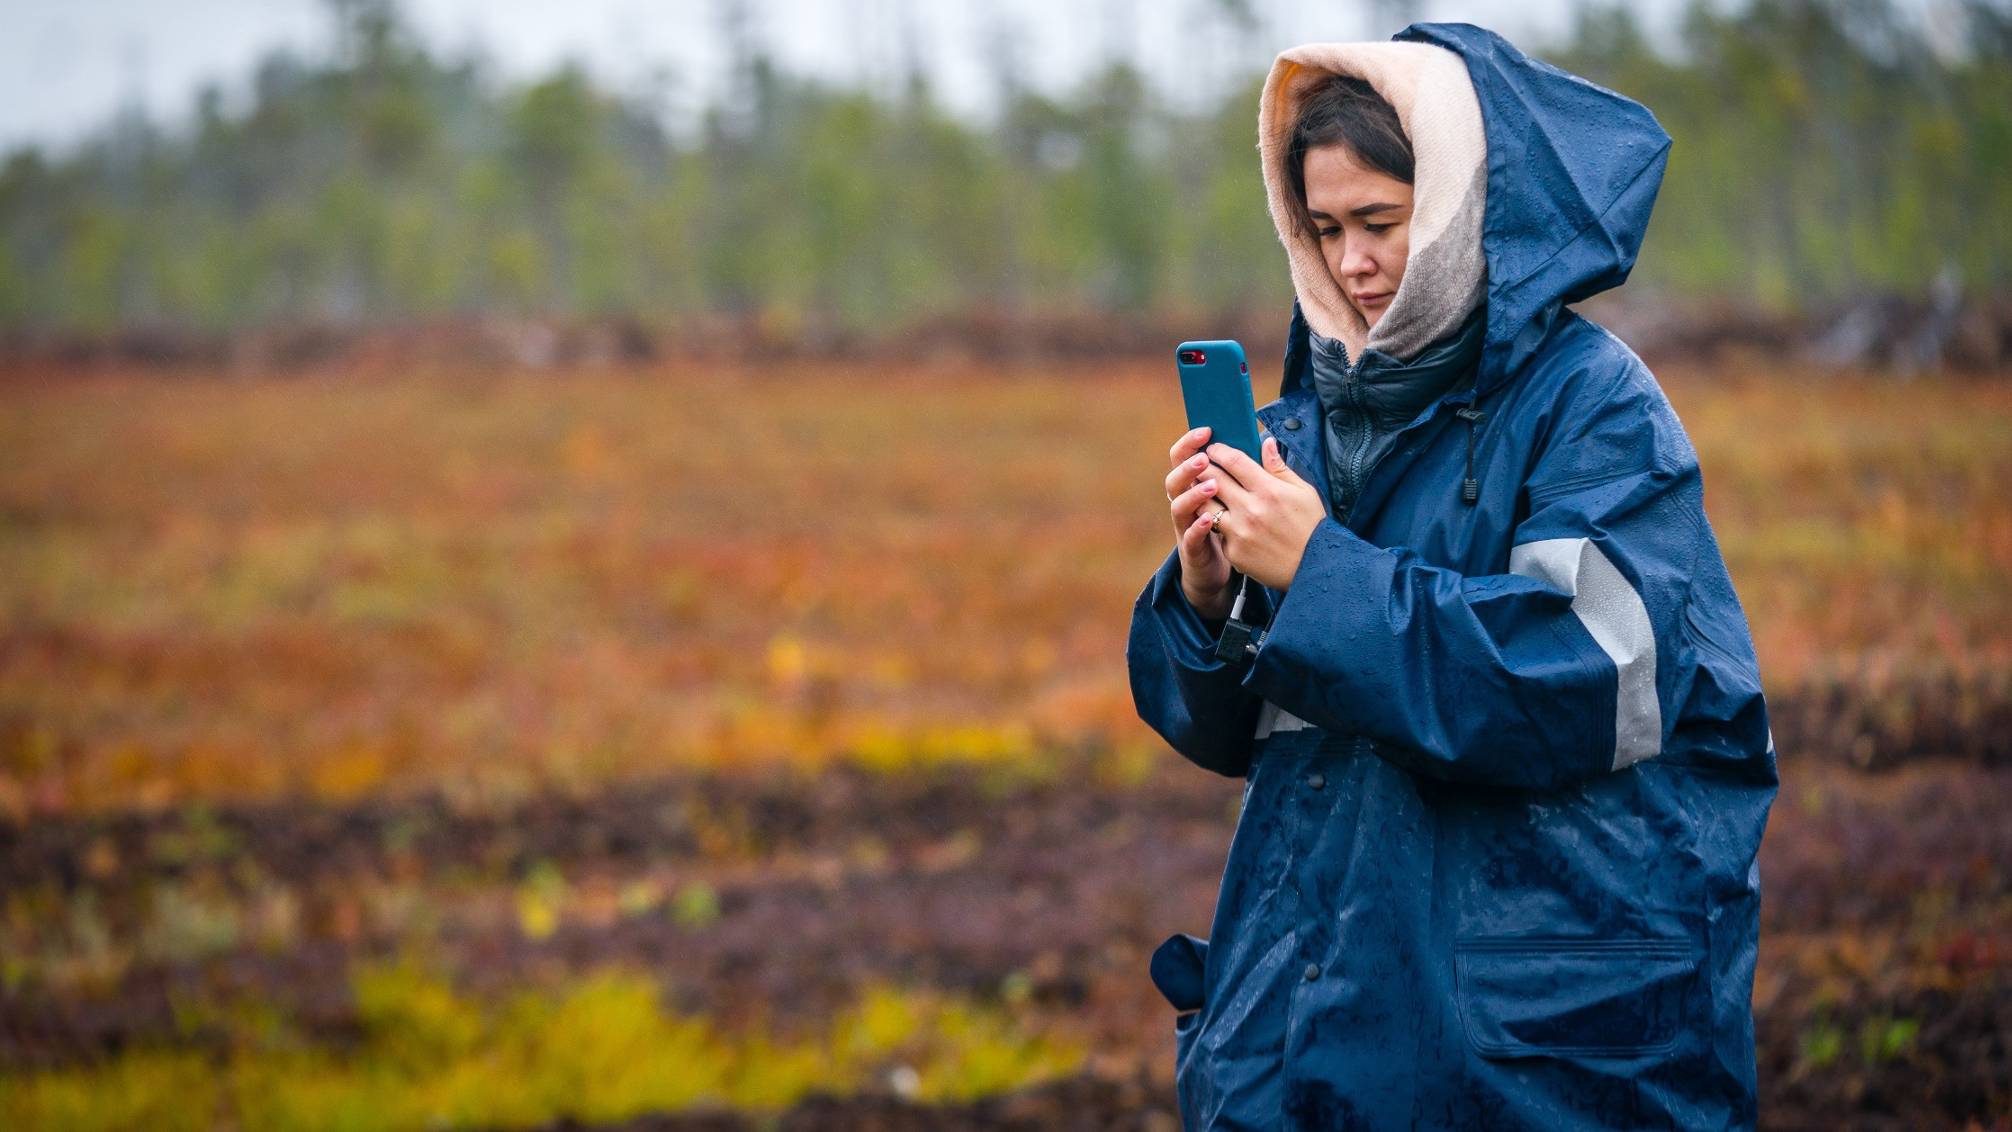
(1356, 261)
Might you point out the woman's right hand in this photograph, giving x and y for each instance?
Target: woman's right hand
(1205, 569)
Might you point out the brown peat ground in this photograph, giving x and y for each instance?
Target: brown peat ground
(733, 747)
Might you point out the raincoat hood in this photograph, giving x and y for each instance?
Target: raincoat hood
(1533, 189)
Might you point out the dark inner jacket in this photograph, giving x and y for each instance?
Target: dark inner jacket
(1368, 403)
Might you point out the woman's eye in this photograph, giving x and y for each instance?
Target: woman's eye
(1330, 230)
(1377, 229)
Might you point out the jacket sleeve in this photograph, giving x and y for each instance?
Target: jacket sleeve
(1192, 699)
(1565, 666)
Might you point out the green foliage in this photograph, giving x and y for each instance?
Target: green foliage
(601, 1050)
(1883, 1039)
(1820, 1044)
(697, 906)
(1822, 149)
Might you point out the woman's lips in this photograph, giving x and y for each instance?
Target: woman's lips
(1375, 300)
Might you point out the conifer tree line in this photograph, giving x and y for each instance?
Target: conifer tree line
(1824, 149)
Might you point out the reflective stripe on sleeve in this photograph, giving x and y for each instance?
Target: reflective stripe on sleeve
(1272, 717)
(1615, 616)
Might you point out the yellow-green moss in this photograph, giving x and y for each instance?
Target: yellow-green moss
(602, 1049)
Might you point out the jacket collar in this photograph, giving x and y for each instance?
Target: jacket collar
(1468, 345)
(1390, 391)
(1303, 446)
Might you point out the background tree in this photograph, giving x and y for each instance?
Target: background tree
(1824, 149)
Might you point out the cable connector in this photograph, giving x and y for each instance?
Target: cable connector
(1240, 641)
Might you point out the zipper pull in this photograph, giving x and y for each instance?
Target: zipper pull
(1470, 488)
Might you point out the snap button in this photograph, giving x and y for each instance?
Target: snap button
(1292, 422)
(1312, 971)
(1317, 781)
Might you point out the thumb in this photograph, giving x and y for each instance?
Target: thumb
(1274, 459)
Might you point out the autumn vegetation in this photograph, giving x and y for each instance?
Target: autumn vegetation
(502, 626)
(798, 695)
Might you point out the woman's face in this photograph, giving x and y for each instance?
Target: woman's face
(1363, 219)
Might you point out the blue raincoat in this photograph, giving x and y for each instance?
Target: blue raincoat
(1507, 760)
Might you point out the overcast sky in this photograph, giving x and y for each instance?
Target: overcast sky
(67, 65)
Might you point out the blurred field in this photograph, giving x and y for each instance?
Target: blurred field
(376, 743)
(224, 590)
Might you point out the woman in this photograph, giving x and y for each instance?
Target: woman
(1507, 757)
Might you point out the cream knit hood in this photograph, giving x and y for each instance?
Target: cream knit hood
(1446, 275)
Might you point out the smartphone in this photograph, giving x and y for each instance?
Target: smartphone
(1216, 384)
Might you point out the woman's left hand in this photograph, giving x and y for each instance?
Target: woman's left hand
(1272, 512)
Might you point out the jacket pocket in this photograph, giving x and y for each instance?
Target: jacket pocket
(1178, 967)
(1526, 997)
(1190, 1080)
(1185, 1026)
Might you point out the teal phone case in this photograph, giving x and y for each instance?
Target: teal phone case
(1216, 384)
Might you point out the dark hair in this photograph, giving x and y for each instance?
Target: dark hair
(1344, 110)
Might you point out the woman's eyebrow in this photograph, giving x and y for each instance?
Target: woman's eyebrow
(1365, 210)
